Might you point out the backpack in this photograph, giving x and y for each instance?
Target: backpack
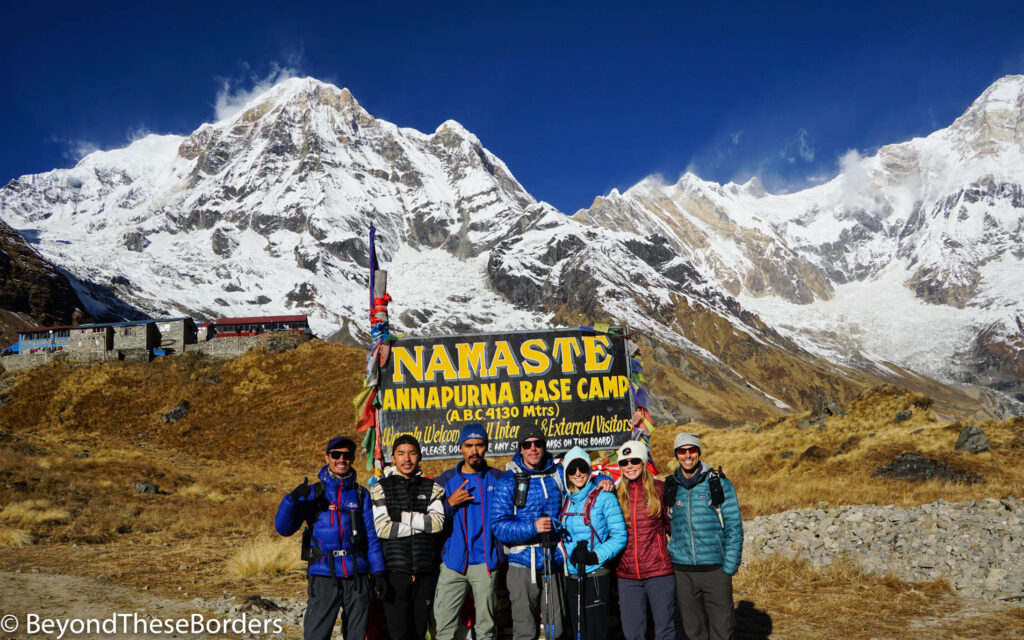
(588, 504)
(714, 488)
(320, 503)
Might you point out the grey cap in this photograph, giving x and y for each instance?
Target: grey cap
(687, 440)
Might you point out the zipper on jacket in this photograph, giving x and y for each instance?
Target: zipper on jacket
(483, 529)
(689, 521)
(636, 552)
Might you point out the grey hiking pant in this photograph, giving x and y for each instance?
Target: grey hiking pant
(705, 604)
(635, 595)
(326, 596)
(451, 593)
(528, 601)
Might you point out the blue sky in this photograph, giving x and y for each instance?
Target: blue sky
(577, 98)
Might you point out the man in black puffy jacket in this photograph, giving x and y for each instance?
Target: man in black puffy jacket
(408, 516)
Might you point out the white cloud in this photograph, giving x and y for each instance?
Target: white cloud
(805, 150)
(855, 178)
(735, 136)
(230, 100)
(75, 150)
(138, 133)
(798, 147)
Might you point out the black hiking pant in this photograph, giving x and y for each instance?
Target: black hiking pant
(326, 596)
(597, 594)
(409, 604)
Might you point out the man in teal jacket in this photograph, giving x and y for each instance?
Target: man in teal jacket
(706, 543)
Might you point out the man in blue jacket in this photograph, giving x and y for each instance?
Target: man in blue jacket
(523, 519)
(471, 555)
(339, 544)
(706, 544)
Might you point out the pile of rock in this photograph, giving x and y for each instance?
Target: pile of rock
(976, 545)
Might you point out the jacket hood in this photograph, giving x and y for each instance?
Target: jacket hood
(576, 453)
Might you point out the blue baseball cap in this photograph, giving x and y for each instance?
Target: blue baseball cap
(472, 431)
(341, 442)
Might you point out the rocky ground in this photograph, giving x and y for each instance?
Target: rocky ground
(977, 545)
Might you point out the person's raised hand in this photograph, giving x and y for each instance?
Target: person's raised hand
(460, 496)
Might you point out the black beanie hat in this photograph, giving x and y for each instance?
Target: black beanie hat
(531, 431)
(341, 442)
(405, 438)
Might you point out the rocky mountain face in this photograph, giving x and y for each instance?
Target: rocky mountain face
(267, 212)
(909, 256)
(32, 291)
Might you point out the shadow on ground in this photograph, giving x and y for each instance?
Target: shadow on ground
(751, 622)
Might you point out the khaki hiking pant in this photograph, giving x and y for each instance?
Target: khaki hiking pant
(451, 593)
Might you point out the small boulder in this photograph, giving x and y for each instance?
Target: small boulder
(906, 414)
(177, 413)
(146, 487)
(972, 439)
(786, 454)
(848, 444)
(256, 603)
(813, 453)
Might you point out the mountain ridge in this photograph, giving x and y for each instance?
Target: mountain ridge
(268, 210)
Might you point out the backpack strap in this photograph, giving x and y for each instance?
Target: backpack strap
(587, 506)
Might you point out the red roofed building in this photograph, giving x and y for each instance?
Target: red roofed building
(231, 327)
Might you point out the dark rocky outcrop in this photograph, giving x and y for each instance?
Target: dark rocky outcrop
(914, 466)
(32, 291)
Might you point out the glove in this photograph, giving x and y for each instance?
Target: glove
(582, 555)
(301, 491)
(381, 586)
(395, 515)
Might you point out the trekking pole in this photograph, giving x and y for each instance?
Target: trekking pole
(545, 541)
(581, 586)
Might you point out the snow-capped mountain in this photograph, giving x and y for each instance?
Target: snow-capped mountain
(912, 255)
(267, 212)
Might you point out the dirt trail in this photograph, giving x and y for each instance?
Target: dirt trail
(66, 598)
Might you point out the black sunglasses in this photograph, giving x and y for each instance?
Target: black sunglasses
(577, 466)
(335, 454)
(532, 444)
(632, 462)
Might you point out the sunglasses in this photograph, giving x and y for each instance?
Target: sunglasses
(632, 462)
(348, 455)
(687, 450)
(532, 444)
(578, 466)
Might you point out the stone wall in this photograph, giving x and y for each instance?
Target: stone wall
(235, 346)
(977, 545)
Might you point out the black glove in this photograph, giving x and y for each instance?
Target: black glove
(582, 555)
(301, 491)
(381, 586)
(395, 515)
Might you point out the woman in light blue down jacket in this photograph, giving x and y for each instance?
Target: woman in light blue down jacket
(594, 533)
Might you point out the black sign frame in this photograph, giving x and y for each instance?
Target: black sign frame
(431, 387)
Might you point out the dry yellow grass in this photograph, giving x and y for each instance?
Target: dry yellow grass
(15, 537)
(767, 482)
(795, 599)
(265, 558)
(199, 491)
(258, 424)
(33, 512)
